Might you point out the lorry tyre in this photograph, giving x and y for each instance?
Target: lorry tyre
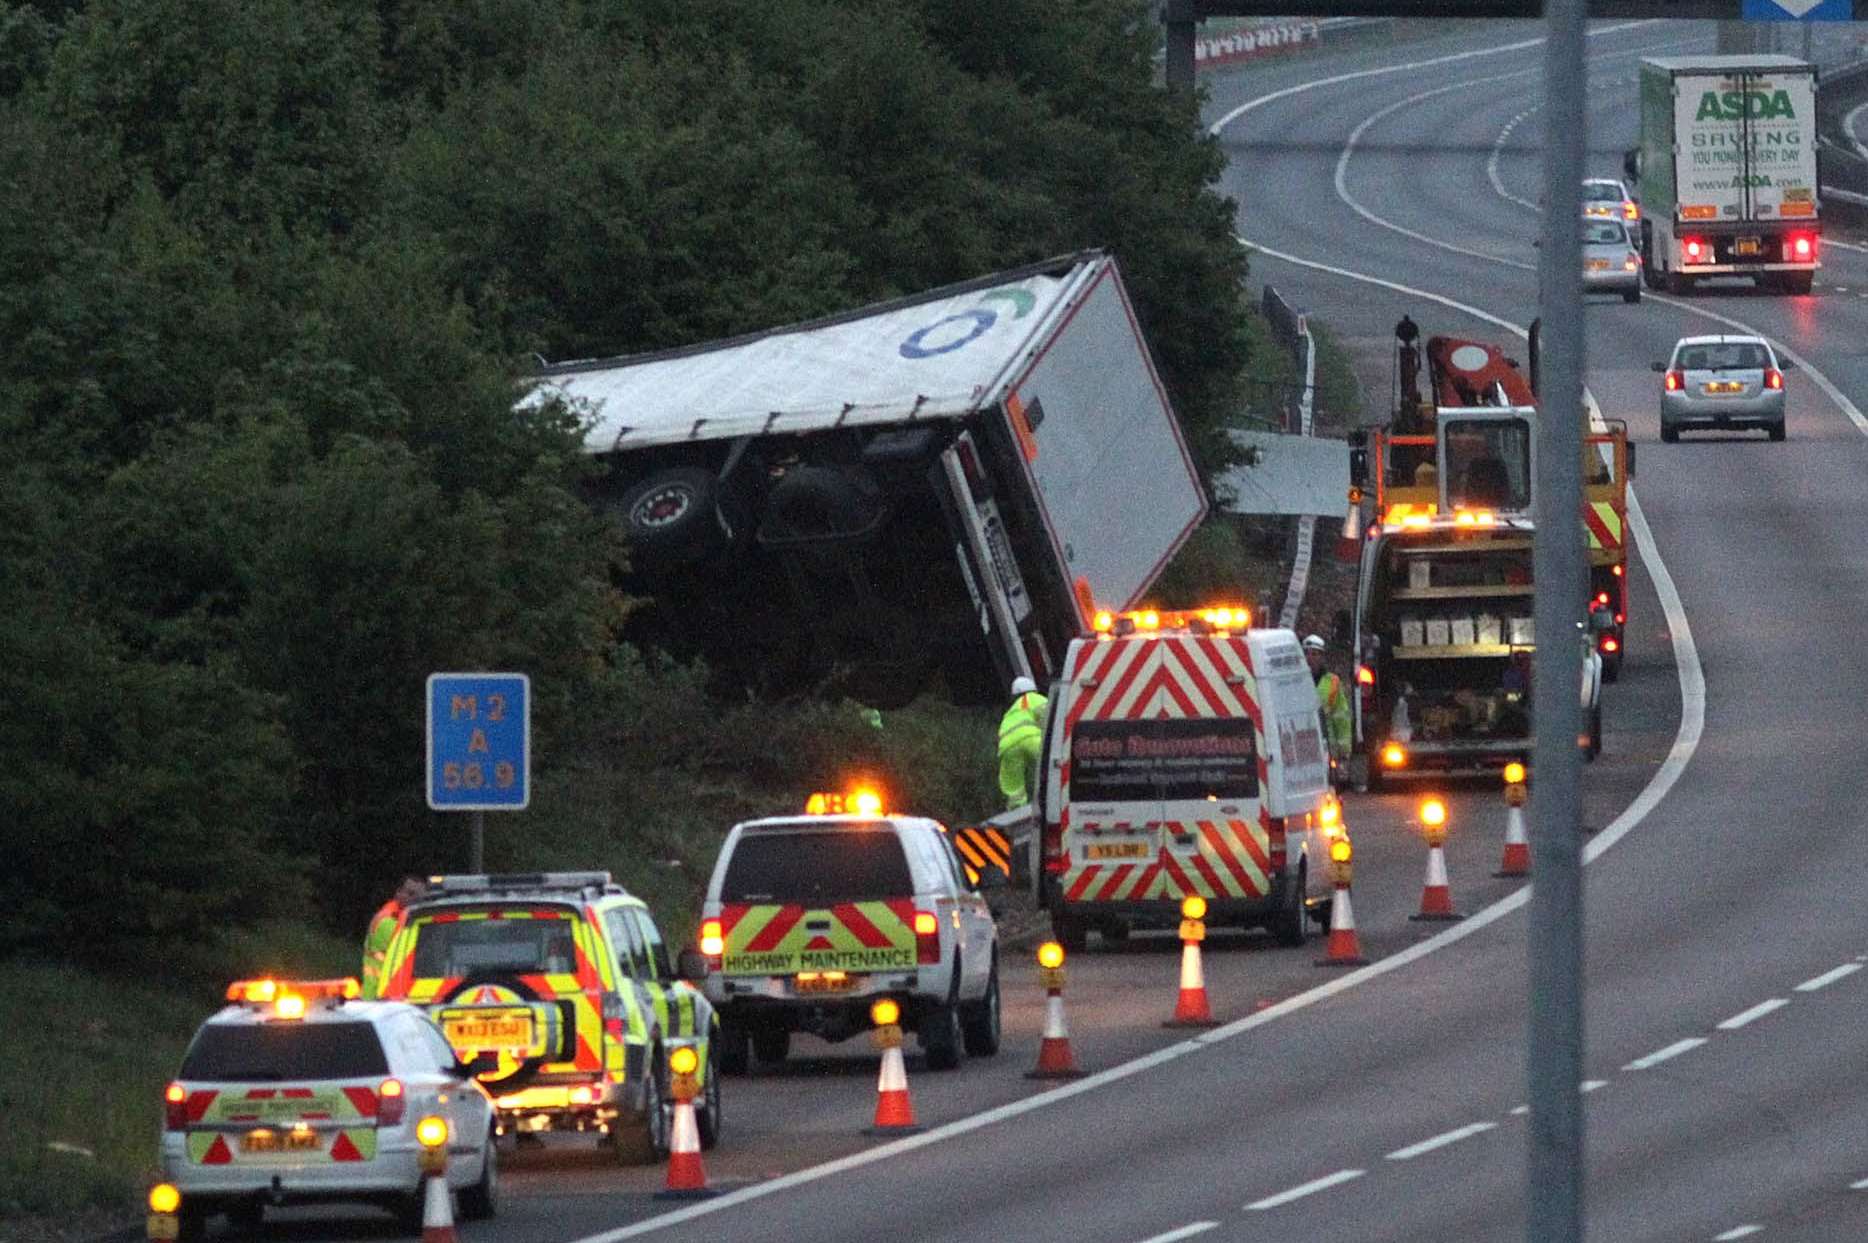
(771, 1045)
(822, 502)
(1071, 933)
(979, 1020)
(941, 1038)
(735, 1048)
(1797, 282)
(1290, 927)
(673, 516)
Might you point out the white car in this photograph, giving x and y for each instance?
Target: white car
(808, 920)
(1605, 198)
(296, 1094)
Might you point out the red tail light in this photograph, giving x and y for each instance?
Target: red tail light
(1675, 381)
(1619, 571)
(175, 1107)
(1609, 644)
(1804, 247)
(391, 1102)
(1773, 378)
(1696, 250)
(927, 938)
(1052, 843)
(1620, 618)
(1275, 833)
(1602, 597)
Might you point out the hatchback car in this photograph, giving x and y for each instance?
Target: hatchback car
(1605, 198)
(1722, 381)
(295, 1093)
(1611, 264)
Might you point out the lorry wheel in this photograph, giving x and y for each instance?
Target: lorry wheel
(673, 516)
(941, 1037)
(1290, 927)
(822, 502)
(1679, 285)
(979, 1021)
(771, 1045)
(735, 1048)
(1797, 282)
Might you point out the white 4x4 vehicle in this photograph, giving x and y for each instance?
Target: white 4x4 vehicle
(809, 920)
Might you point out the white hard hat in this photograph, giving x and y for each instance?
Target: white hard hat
(1022, 685)
(1314, 643)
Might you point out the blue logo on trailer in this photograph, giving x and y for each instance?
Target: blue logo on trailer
(479, 741)
(1798, 10)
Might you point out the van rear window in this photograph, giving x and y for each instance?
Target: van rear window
(1137, 761)
(815, 866)
(269, 1052)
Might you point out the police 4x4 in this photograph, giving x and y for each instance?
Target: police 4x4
(297, 1094)
(810, 919)
(566, 980)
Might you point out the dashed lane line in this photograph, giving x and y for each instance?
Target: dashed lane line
(1305, 1189)
(1756, 1012)
(1667, 1054)
(1737, 1232)
(1444, 1140)
(1185, 1232)
(1828, 977)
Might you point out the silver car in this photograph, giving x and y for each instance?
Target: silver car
(1605, 198)
(1723, 381)
(1611, 264)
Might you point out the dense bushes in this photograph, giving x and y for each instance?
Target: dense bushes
(270, 273)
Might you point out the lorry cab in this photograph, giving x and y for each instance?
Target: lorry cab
(1183, 756)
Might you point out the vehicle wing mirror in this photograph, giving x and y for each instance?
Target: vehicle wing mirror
(692, 965)
(1784, 364)
(1659, 366)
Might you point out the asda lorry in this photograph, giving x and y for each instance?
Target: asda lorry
(1726, 171)
(943, 488)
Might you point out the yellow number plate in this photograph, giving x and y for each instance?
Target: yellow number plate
(1596, 265)
(1746, 246)
(513, 1031)
(279, 1141)
(1119, 850)
(1725, 386)
(832, 982)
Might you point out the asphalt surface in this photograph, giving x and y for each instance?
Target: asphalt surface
(1383, 1107)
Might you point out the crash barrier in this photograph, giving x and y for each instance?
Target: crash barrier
(1292, 328)
(1844, 163)
(1232, 47)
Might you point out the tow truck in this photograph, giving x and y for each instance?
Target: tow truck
(1444, 616)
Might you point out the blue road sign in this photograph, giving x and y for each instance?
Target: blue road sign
(1798, 10)
(479, 741)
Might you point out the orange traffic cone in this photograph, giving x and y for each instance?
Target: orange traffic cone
(1343, 950)
(1517, 860)
(1055, 1060)
(438, 1211)
(687, 1177)
(1191, 1010)
(1436, 900)
(895, 1113)
(1349, 547)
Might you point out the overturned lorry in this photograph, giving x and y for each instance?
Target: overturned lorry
(941, 488)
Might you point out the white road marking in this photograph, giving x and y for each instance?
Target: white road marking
(1667, 1054)
(1860, 1184)
(1756, 1012)
(1520, 1110)
(1185, 1232)
(1828, 977)
(1310, 1188)
(1594, 1085)
(1498, 149)
(1737, 1232)
(1441, 1141)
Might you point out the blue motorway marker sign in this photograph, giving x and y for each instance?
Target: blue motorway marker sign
(1798, 10)
(479, 741)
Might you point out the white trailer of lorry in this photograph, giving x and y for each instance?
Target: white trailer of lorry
(1727, 171)
(950, 484)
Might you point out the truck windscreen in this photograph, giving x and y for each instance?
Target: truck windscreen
(1139, 761)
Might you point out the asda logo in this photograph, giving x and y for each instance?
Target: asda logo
(1743, 105)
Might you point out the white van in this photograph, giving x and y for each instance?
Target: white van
(1183, 755)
